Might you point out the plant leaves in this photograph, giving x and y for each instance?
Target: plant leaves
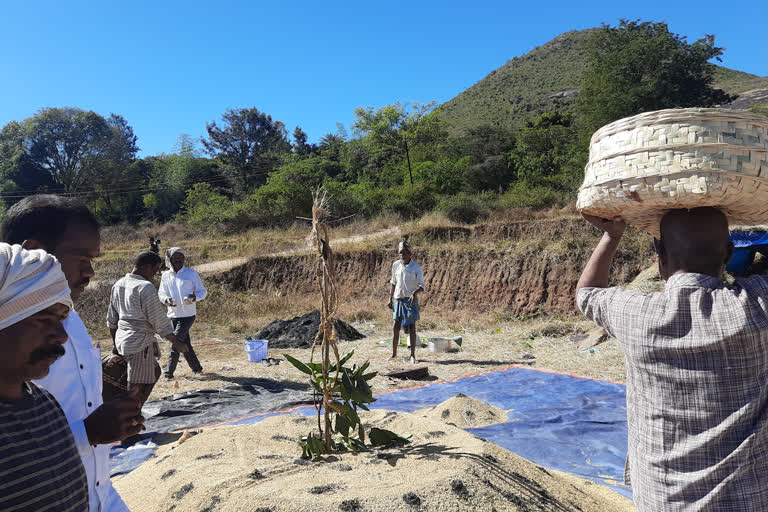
(298, 364)
(383, 437)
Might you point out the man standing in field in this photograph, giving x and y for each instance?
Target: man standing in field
(180, 289)
(40, 465)
(67, 229)
(406, 284)
(135, 314)
(697, 368)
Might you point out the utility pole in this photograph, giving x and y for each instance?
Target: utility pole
(408, 158)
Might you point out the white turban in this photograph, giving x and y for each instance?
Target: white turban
(30, 281)
(170, 252)
(404, 245)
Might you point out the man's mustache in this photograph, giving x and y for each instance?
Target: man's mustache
(43, 353)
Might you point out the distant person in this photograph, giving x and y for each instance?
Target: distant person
(154, 245)
(180, 289)
(697, 367)
(406, 284)
(135, 314)
(40, 467)
(68, 230)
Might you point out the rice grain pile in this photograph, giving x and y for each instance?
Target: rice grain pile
(256, 468)
(465, 412)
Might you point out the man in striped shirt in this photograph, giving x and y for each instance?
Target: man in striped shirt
(40, 467)
(135, 314)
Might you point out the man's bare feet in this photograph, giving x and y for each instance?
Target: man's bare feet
(393, 356)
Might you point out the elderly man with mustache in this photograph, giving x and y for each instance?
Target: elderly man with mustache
(40, 467)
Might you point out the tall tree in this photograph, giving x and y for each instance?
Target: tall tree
(642, 66)
(300, 146)
(398, 126)
(247, 144)
(72, 147)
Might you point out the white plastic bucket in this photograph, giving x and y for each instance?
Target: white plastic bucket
(256, 350)
(440, 344)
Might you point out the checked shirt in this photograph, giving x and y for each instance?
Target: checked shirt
(697, 390)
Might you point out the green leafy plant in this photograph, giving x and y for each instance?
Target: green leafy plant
(351, 392)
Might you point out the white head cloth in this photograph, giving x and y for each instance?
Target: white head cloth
(404, 245)
(30, 281)
(170, 252)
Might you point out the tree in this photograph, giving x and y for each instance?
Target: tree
(247, 144)
(546, 153)
(394, 127)
(73, 148)
(300, 146)
(639, 67)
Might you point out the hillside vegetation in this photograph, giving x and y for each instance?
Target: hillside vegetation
(518, 138)
(546, 78)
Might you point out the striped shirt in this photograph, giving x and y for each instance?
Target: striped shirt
(136, 313)
(697, 390)
(40, 468)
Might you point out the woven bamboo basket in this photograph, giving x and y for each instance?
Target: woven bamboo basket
(643, 166)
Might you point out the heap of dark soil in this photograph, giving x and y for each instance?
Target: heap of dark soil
(300, 331)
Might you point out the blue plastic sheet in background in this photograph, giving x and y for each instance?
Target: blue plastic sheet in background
(746, 243)
(561, 422)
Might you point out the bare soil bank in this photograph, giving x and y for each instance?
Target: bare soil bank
(521, 268)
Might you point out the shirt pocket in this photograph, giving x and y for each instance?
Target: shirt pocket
(187, 287)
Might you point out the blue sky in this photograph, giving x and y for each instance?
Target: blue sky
(169, 67)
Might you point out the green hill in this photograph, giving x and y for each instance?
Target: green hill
(548, 77)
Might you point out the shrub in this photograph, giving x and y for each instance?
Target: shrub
(464, 208)
(409, 201)
(521, 195)
(204, 207)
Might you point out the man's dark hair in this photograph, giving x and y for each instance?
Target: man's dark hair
(146, 258)
(44, 218)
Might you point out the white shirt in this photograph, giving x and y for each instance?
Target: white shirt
(177, 285)
(406, 278)
(75, 381)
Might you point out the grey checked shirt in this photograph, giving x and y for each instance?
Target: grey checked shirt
(697, 390)
(137, 314)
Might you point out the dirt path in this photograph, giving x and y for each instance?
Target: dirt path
(224, 265)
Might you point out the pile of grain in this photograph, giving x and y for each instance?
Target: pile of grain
(464, 412)
(256, 468)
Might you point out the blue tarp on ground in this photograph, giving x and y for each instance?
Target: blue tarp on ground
(746, 243)
(561, 422)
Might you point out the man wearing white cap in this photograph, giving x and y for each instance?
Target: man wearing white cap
(406, 283)
(40, 467)
(180, 288)
(67, 230)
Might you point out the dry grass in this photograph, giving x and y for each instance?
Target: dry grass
(548, 340)
(493, 339)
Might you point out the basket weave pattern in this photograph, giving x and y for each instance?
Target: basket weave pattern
(642, 166)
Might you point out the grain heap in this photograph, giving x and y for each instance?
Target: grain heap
(465, 412)
(255, 468)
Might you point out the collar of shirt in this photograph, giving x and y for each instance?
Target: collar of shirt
(691, 279)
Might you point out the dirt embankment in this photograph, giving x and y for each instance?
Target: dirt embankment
(521, 268)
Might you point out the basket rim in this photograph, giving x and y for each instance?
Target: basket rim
(673, 175)
(678, 115)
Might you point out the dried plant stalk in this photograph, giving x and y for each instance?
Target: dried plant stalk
(319, 241)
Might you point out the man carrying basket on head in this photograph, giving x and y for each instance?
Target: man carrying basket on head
(406, 284)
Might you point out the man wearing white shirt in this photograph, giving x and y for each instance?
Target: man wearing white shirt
(180, 288)
(69, 231)
(406, 283)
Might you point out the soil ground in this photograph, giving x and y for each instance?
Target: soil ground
(225, 362)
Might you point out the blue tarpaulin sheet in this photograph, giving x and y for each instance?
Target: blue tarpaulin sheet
(561, 422)
(745, 244)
